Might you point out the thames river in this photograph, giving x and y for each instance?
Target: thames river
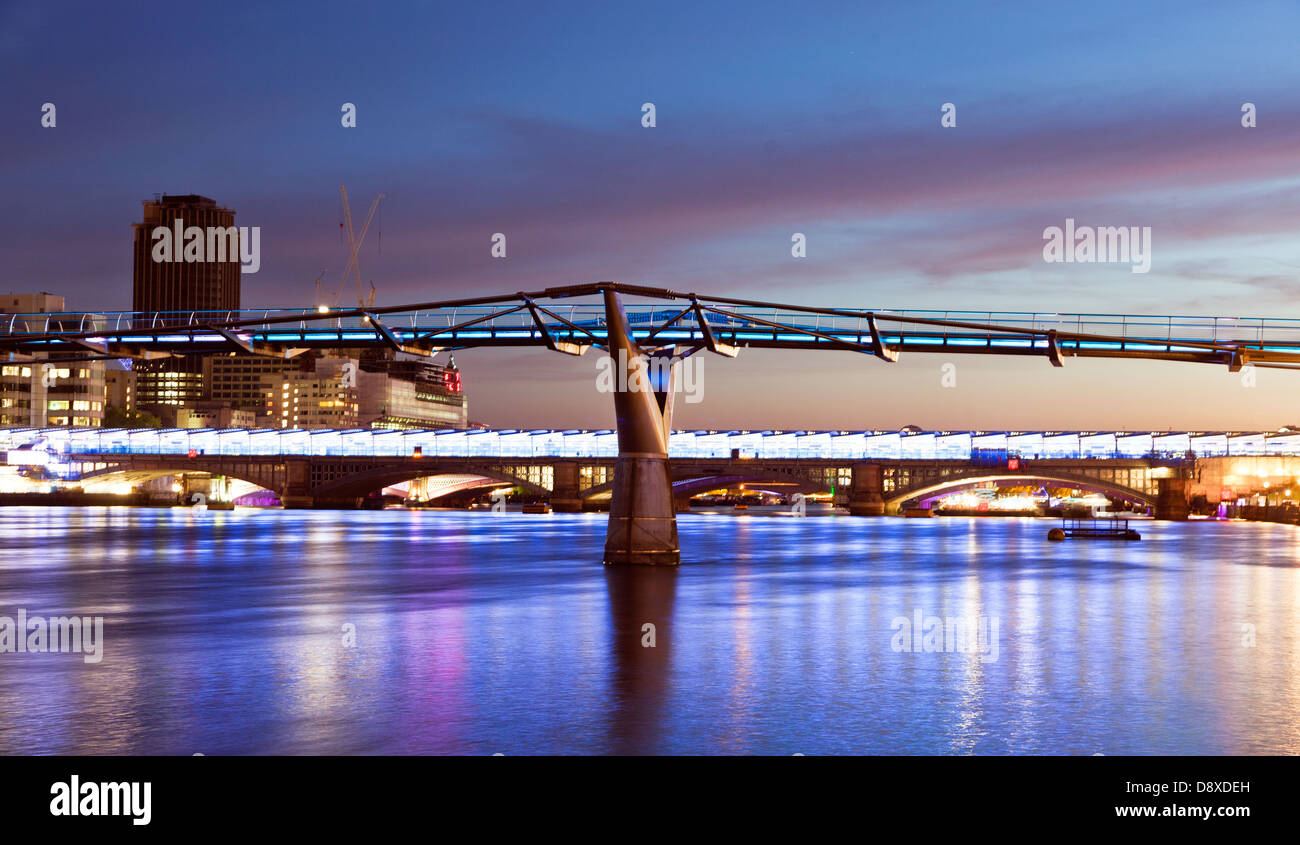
(447, 632)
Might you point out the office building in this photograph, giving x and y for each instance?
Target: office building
(119, 389)
(52, 390)
(170, 291)
(403, 391)
(174, 289)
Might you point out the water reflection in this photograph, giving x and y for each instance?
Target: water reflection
(641, 632)
(476, 633)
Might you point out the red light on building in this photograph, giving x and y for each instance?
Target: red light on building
(451, 381)
(194, 453)
(1013, 464)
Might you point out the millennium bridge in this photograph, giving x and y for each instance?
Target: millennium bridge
(647, 475)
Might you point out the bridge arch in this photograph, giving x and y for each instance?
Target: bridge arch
(954, 484)
(361, 484)
(129, 475)
(689, 485)
(326, 479)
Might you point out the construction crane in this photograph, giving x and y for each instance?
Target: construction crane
(320, 301)
(353, 269)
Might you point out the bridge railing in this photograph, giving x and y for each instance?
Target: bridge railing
(576, 319)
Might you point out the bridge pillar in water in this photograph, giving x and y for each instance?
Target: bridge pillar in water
(209, 489)
(1173, 500)
(195, 488)
(565, 495)
(642, 520)
(295, 491)
(866, 497)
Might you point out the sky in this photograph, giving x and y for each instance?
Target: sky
(771, 119)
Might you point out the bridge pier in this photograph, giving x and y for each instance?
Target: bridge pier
(212, 490)
(1173, 501)
(565, 495)
(295, 486)
(866, 497)
(642, 520)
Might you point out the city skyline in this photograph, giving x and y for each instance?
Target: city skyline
(843, 144)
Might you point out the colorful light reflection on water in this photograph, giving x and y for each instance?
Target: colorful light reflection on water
(480, 633)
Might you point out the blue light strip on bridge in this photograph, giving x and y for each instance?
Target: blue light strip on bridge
(511, 444)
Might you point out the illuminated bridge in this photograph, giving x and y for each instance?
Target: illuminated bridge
(646, 474)
(869, 472)
(549, 319)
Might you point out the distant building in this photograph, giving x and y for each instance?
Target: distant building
(243, 380)
(373, 389)
(206, 415)
(169, 381)
(52, 390)
(119, 389)
(322, 397)
(173, 289)
(170, 291)
(74, 393)
(32, 303)
(402, 391)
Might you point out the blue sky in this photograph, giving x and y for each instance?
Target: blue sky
(772, 119)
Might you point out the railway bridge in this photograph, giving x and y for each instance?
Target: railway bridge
(865, 488)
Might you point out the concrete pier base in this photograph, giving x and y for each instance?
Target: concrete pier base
(642, 521)
(1173, 501)
(867, 508)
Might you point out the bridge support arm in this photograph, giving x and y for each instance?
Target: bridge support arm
(1054, 350)
(565, 346)
(878, 347)
(710, 339)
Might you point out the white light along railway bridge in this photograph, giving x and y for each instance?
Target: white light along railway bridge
(672, 325)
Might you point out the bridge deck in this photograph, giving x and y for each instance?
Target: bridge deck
(516, 320)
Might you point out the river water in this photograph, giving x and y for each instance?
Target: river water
(435, 632)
